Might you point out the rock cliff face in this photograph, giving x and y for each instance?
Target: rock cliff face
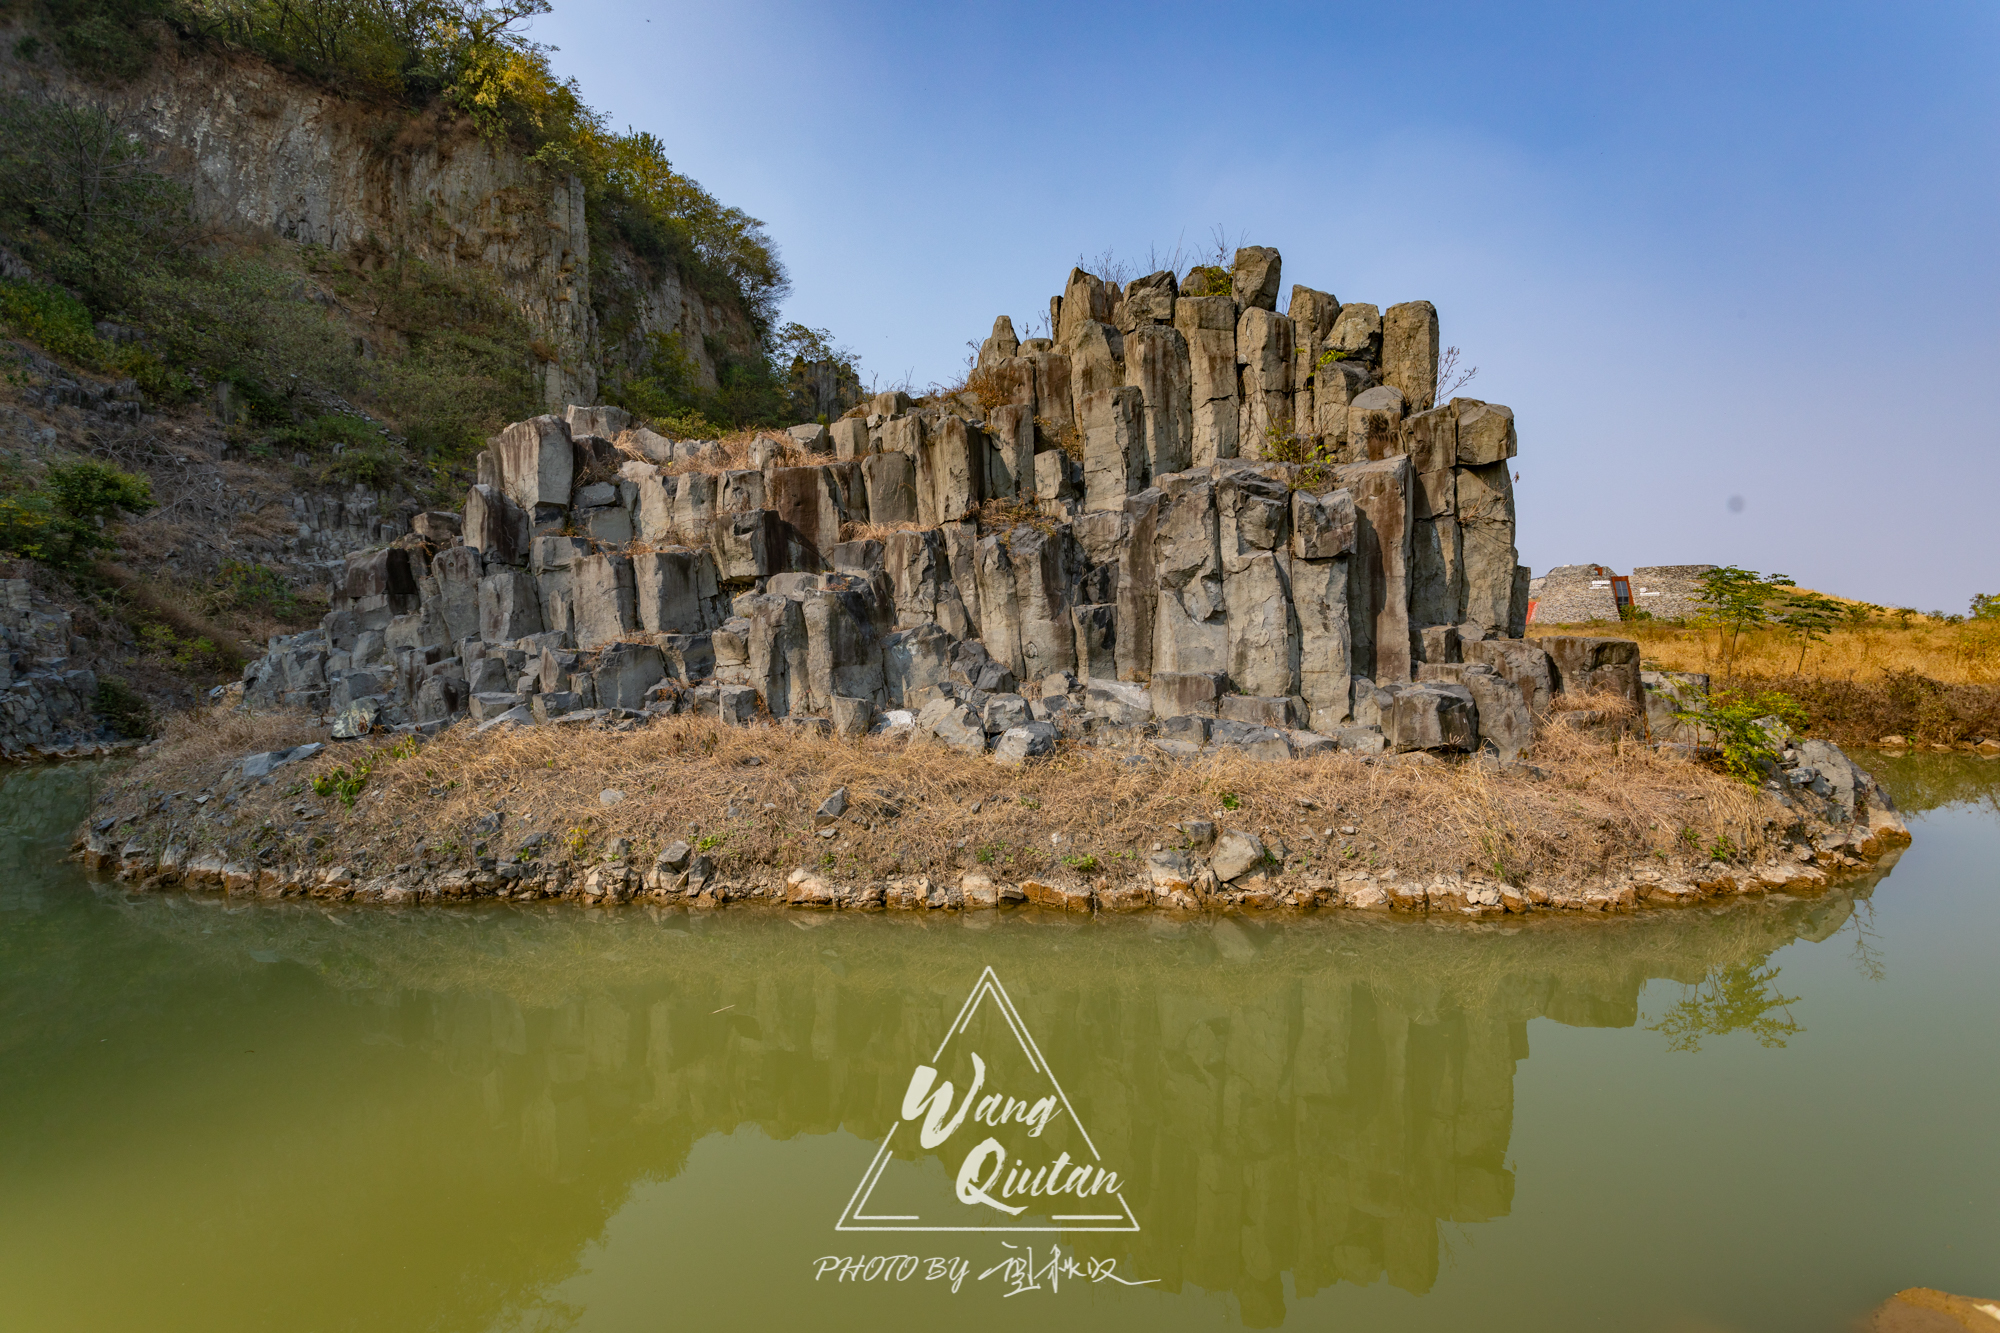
(1008, 578)
(263, 150)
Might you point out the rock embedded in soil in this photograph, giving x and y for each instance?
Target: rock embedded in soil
(1236, 853)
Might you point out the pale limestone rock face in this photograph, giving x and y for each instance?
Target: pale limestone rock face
(890, 481)
(508, 606)
(1357, 334)
(1264, 355)
(1524, 666)
(1485, 432)
(1312, 314)
(1114, 447)
(1486, 525)
(1322, 525)
(606, 605)
(1000, 344)
(1432, 716)
(1191, 628)
(1010, 456)
(495, 526)
(1379, 570)
(1208, 323)
(1410, 351)
(1319, 600)
(1336, 384)
(1156, 363)
(951, 471)
(1254, 277)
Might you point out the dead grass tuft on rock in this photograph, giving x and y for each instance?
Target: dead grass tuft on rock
(196, 746)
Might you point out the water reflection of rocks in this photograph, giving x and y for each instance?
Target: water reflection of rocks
(1313, 1097)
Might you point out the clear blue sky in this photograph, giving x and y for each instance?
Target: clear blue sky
(1704, 250)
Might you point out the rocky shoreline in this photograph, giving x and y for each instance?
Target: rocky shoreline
(275, 825)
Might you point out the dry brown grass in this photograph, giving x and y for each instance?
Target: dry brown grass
(732, 454)
(195, 747)
(1928, 681)
(921, 809)
(876, 532)
(1967, 653)
(1069, 439)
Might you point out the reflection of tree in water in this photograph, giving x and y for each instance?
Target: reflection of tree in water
(1918, 781)
(1736, 998)
(1867, 954)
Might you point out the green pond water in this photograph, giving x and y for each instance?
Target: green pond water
(1765, 1116)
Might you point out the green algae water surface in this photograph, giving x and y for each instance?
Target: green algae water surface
(1766, 1116)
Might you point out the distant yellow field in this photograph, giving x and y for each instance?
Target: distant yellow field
(1962, 654)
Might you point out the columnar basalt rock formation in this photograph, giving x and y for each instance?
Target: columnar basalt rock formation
(1192, 519)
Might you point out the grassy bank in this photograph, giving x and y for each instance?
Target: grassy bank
(1592, 810)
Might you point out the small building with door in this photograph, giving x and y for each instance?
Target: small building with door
(1578, 594)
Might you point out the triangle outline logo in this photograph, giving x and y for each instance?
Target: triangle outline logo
(856, 1217)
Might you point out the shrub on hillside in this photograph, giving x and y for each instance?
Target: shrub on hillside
(63, 519)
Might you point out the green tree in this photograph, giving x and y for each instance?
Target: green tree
(1809, 617)
(1735, 724)
(1986, 606)
(1735, 600)
(64, 520)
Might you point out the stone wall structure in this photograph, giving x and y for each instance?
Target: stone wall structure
(1576, 594)
(1100, 542)
(1573, 595)
(1668, 592)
